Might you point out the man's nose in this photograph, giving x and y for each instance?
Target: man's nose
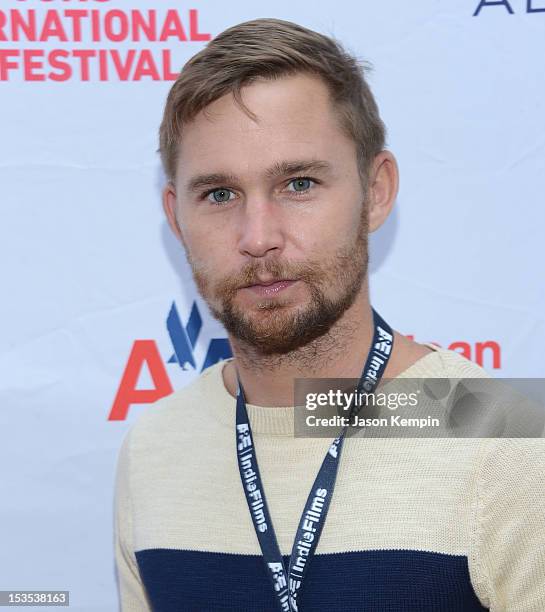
(261, 229)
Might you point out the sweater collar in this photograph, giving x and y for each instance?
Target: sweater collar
(279, 420)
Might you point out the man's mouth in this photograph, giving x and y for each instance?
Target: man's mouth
(268, 288)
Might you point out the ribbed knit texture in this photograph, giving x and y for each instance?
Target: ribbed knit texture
(414, 524)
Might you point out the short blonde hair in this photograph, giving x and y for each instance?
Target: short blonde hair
(268, 49)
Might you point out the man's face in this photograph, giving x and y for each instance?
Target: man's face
(285, 204)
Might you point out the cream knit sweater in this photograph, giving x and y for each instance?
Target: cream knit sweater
(414, 524)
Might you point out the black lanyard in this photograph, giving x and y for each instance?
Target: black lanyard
(315, 512)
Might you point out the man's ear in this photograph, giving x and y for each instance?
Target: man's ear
(383, 188)
(169, 206)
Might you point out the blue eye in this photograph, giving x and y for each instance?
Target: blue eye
(219, 195)
(301, 184)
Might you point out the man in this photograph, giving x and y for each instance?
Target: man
(274, 152)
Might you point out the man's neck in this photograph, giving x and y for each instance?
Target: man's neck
(340, 353)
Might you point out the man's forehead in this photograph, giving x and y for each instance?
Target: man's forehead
(289, 107)
(295, 90)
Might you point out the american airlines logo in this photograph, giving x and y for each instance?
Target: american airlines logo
(145, 352)
(185, 338)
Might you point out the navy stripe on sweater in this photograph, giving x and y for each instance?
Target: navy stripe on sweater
(374, 580)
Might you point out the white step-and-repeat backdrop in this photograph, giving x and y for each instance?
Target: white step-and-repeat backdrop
(100, 316)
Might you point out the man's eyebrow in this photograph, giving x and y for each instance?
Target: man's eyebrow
(281, 168)
(208, 180)
(299, 166)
